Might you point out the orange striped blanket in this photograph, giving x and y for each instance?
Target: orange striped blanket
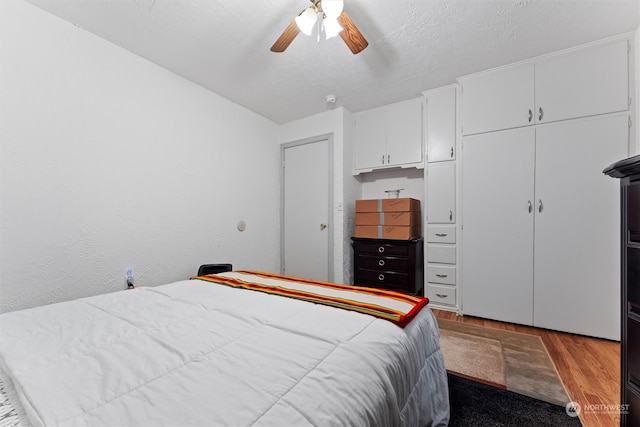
(396, 307)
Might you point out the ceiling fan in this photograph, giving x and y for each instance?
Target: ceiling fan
(330, 18)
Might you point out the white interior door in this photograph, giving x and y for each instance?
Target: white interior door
(498, 219)
(577, 244)
(306, 222)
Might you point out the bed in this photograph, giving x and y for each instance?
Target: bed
(222, 350)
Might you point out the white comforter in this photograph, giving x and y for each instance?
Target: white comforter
(195, 353)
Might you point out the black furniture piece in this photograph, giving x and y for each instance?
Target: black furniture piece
(628, 170)
(397, 265)
(213, 269)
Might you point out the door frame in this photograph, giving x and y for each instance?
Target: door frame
(330, 221)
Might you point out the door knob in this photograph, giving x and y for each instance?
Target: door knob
(323, 226)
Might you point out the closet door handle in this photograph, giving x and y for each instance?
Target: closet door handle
(530, 115)
(540, 205)
(530, 206)
(541, 115)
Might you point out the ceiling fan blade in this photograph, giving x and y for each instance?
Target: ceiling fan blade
(286, 37)
(351, 35)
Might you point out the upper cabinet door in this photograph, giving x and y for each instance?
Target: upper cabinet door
(441, 124)
(587, 82)
(500, 99)
(404, 133)
(370, 139)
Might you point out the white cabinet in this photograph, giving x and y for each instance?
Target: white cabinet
(441, 230)
(539, 225)
(389, 136)
(583, 82)
(500, 99)
(441, 124)
(441, 193)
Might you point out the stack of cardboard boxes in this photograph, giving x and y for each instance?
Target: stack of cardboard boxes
(397, 219)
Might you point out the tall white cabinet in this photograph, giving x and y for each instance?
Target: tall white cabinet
(442, 249)
(539, 218)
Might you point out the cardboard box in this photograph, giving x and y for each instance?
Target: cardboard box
(398, 219)
(388, 218)
(404, 204)
(370, 205)
(396, 232)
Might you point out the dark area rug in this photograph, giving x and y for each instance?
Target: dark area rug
(475, 404)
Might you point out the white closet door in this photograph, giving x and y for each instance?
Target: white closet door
(577, 247)
(497, 226)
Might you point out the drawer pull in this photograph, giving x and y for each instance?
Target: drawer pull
(441, 234)
(381, 277)
(381, 263)
(442, 275)
(381, 249)
(442, 295)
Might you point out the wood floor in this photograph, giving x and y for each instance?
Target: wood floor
(588, 367)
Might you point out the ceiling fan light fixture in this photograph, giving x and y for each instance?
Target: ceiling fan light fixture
(331, 27)
(332, 8)
(306, 20)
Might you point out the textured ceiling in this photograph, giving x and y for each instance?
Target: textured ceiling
(414, 45)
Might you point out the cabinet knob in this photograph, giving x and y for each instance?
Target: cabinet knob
(540, 205)
(541, 114)
(323, 226)
(383, 159)
(381, 263)
(450, 215)
(381, 249)
(381, 277)
(452, 152)
(530, 115)
(530, 206)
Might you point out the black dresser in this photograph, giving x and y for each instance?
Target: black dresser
(628, 171)
(397, 265)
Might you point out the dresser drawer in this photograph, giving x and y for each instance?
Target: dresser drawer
(383, 249)
(384, 279)
(373, 262)
(441, 234)
(441, 294)
(444, 254)
(441, 274)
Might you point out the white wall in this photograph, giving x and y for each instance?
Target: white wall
(109, 162)
(345, 187)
